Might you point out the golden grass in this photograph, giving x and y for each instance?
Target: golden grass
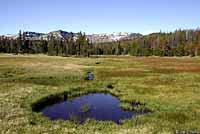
(168, 86)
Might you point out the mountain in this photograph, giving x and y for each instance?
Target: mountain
(63, 35)
(33, 35)
(99, 38)
(42, 36)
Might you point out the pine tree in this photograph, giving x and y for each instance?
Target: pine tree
(134, 49)
(19, 43)
(51, 46)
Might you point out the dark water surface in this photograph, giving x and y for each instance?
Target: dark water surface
(90, 76)
(99, 106)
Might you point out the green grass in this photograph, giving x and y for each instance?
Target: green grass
(170, 87)
(85, 108)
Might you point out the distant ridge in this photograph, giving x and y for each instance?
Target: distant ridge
(63, 35)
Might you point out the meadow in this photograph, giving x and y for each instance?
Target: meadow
(168, 86)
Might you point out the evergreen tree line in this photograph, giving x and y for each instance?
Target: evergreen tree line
(52, 47)
(178, 43)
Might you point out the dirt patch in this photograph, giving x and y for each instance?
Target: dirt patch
(177, 69)
(119, 73)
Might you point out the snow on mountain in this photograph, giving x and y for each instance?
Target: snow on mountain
(95, 38)
(98, 38)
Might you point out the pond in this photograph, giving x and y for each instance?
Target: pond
(99, 106)
(89, 76)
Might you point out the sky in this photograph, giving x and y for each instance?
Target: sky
(98, 16)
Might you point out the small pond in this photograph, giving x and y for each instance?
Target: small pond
(89, 76)
(99, 106)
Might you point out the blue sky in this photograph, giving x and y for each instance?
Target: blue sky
(98, 16)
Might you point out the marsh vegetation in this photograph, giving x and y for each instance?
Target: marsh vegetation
(170, 87)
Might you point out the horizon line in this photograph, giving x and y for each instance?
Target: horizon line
(91, 33)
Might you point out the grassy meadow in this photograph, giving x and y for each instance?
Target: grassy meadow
(169, 87)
